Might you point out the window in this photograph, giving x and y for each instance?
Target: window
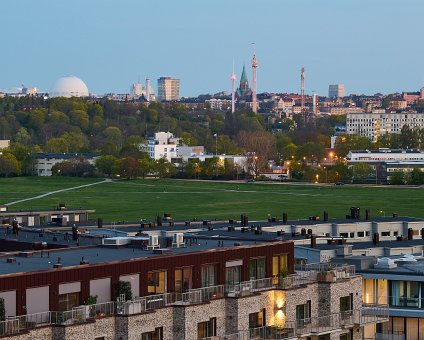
(209, 275)
(257, 268)
(404, 294)
(367, 233)
(303, 314)
(279, 266)
(361, 234)
(385, 233)
(346, 336)
(233, 275)
(183, 279)
(346, 305)
(344, 235)
(156, 282)
(257, 319)
(206, 329)
(352, 235)
(157, 334)
(68, 301)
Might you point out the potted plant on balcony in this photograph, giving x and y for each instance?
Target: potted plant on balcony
(123, 289)
(89, 311)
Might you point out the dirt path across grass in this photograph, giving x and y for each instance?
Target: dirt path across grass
(106, 180)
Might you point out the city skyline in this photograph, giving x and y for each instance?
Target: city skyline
(111, 47)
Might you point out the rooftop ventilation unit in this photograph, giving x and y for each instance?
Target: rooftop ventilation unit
(153, 242)
(116, 241)
(178, 240)
(385, 263)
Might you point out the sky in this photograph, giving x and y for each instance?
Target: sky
(369, 45)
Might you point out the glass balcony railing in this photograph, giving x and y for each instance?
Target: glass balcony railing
(396, 301)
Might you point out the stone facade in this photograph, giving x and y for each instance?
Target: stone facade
(231, 314)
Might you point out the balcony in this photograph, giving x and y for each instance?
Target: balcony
(306, 275)
(313, 326)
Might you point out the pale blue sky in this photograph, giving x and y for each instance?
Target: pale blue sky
(369, 45)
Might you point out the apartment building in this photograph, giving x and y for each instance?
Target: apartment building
(192, 280)
(373, 125)
(168, 89)
(336, 91)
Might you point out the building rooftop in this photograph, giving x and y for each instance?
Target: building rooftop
(42, 155)
(36, 260)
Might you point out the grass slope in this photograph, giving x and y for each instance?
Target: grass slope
(132, 200)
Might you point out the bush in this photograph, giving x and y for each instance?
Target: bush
(123, 288)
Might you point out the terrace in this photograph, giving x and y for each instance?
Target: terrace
(306, 275)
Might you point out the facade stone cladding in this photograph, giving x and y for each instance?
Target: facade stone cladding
(131, 327)
(204, 312)
(231, 313)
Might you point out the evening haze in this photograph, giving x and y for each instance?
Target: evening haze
(369, 45)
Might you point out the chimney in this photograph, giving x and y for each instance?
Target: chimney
(422, 233)
(367, 214)
(325, 216)
(147, 89)
(410, 234)
(99, 223)
(285, 219)
(376, 239)
(313, 241)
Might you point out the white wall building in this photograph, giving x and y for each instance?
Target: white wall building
(385, 155)
(43, 162)
(373, 125)
(4, 143)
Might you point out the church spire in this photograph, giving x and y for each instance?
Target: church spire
(243, 78)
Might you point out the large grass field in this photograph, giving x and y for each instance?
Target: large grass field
(131, 200)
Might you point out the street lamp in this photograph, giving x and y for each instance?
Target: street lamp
(326, 174)
(383, 212)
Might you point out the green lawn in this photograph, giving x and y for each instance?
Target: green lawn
(132, 200)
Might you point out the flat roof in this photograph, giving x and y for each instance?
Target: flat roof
(46, 259)
(45, 211)
(357, 245)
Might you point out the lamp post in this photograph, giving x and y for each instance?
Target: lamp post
(216, 143)
(326, 175)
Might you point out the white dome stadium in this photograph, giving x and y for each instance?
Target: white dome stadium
(69, 86)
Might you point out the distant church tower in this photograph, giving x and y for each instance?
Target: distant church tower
(244, 92)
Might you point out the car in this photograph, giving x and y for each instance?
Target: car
(339, 183)
(250, 180)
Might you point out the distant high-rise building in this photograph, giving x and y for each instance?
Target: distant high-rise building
(336, 91)
(168, 89)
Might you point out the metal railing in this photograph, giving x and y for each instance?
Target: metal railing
(313, 326)
(27, 322)
(80, 314)
(396, 301)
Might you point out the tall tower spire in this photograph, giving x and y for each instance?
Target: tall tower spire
(302, 90)
(254, 66)
(233, 92)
